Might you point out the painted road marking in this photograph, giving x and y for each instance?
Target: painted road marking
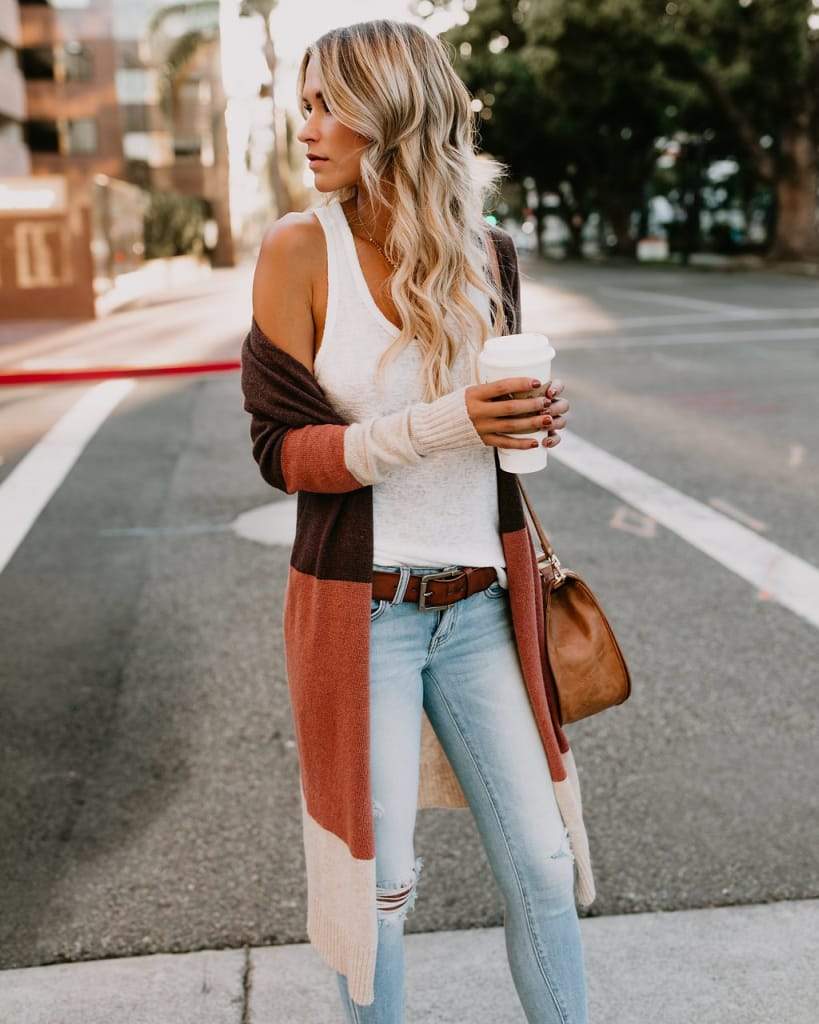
(788, 579)
(676, 300)
(721, 505)
(709, 318)
(631, 521)
(269, 524)
(29, 487)
(604, 340)
(21, 377)
(796, 455)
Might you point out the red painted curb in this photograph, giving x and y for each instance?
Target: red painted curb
(104, 372)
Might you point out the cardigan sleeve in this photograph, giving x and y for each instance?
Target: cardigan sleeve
(335, 458)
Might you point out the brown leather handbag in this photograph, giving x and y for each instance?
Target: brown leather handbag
(586, 662)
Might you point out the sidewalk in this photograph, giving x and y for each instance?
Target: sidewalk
(730, 965)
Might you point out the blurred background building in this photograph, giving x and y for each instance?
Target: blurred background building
(14, 156)
(120, 105)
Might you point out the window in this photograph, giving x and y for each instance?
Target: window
(37, 62)
(82, 136)
(136, 85)
(79, 64)
(42, 136)
(185, 146)
(136, 118)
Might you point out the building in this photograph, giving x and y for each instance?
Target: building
(14, 157)
(94, 103)
(68, 59)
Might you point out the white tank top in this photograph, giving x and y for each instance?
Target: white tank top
(444, 510)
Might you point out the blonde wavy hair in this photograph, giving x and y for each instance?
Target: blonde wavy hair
(394, 84)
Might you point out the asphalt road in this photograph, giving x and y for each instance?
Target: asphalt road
(149, 796)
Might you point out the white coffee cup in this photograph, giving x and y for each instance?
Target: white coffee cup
(519, 355)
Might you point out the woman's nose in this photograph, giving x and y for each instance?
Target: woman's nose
(305, 133)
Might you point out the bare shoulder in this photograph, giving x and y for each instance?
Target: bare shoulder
(286, 268)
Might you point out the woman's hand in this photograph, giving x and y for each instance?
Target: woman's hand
(494, 416)
(557, 410)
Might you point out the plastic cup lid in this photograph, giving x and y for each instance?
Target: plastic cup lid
(527, 348)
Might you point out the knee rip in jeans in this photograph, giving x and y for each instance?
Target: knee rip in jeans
(394, 900)
(565, 848)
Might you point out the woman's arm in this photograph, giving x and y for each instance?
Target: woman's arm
(333, 457)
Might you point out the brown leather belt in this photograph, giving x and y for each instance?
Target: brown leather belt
(435, 590)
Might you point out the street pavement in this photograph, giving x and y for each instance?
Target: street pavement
(149, 802)
(727, 965)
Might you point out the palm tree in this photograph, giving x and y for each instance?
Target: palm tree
(203, 33)
(279, 182)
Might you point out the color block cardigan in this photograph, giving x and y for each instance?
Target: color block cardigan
(298, 443)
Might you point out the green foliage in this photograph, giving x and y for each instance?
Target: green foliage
(584, 93)
(174, 225)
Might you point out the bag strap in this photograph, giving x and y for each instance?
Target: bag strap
(548, 550)
(549, 553)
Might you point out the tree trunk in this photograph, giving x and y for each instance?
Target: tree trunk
(278, 170)
(539, 218)
(619, 217)
(575, 243)
(797, 237)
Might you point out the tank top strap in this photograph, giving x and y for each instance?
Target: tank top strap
(347, 308)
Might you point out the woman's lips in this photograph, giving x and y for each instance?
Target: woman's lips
(316, 159)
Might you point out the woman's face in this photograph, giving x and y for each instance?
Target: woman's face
(326, 137)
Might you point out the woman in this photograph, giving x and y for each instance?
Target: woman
(359, 371)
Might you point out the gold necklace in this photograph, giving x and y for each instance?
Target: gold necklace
(370, 237)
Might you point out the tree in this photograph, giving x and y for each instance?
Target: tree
(581, 89)
(281, 189)
(205, 33)
(574, 97)
(758, 65)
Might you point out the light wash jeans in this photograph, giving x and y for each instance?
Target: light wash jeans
(460, 663)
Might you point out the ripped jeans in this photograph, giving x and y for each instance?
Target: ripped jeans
(460, 664)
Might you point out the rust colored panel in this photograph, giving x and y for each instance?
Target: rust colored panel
(313, 459)
(326, 637)
(518, 550)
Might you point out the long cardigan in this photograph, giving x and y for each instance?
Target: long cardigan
(298, 442)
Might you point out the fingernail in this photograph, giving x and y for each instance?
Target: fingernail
(535, 383)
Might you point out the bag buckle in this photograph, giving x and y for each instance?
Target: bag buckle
(557, 572)
(451, 572)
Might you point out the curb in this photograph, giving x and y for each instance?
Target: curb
(741, 964)
(107, 372)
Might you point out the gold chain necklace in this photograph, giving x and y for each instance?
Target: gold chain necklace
(370, 237)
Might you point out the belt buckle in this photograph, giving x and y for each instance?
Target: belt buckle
(451, 572)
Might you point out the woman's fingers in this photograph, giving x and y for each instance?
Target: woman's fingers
(507, 441)
(557, 410)
(498, 419)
